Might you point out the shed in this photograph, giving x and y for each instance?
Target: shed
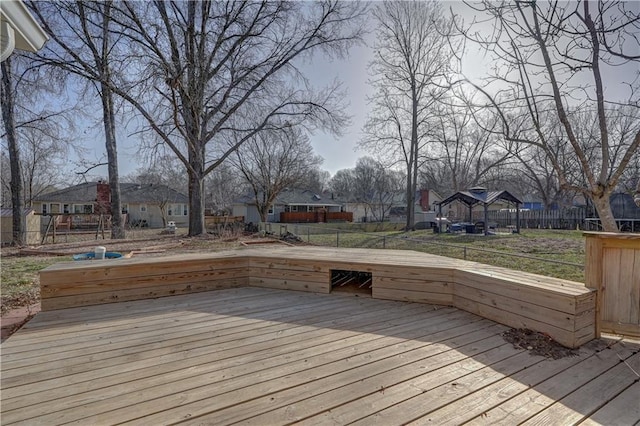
(479, 195)
(32, 225)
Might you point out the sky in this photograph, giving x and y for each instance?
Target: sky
(341, 152)
(338, 152)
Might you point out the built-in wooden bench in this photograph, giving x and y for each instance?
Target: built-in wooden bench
(563, 309)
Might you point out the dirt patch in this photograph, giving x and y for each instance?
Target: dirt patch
(537, 343)
(17, 300)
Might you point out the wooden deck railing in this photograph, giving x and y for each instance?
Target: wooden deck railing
(613, 269)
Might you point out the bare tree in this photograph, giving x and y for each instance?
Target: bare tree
(410, 73)
(273, 161)
(377, 187)
(8, 119)
(553, 61)
(83, 43)
(342, 182)
(204, 70)
(464, 152)
(43, 158)
(35, 133)
(163, 169)
(317, 180)
(224, 185)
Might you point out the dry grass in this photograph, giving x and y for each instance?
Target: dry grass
(498, 250)
(20, 285)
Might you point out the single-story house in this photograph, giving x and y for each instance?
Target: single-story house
(31, 222)
(150, 205)
(295, 206)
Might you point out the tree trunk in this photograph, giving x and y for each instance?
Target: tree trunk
(196, 193)
(108, 117)
(163, 214)
(603, 207)
(263, 212)
(412, 170)
(409, 197)
(18, 224)
(414, 180)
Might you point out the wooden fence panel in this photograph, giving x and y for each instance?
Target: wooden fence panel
(613, 269)
(556, 219)
(319, 216)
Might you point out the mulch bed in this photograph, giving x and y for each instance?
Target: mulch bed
(537, 343)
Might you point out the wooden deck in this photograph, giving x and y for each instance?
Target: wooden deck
(267, 356)
(563, 309)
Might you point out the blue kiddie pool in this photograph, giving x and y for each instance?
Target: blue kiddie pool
(92, 256)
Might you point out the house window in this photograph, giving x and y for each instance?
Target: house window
(177, 210)
(65, 208)
(270, 210)
(143, 208)
(82, 208)
(125, 208)
(44, 208)
(294, 208)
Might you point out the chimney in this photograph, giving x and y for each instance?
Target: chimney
(103, 198)
(424, 200)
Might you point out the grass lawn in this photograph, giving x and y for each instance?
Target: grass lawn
(563, 246)
(19, 284)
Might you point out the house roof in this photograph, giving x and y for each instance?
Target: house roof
(129, 193)
(480, 196)
(149, 193)
(299, 197)
(19, 29)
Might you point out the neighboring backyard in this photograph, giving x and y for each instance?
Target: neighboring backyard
(19, 269)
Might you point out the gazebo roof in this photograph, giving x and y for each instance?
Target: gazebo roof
(480, 196)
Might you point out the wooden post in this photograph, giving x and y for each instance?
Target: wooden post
(486, 219)
(612, 268)
(46, 232)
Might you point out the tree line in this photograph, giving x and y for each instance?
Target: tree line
(217, 88)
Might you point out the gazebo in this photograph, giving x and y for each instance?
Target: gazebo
(475, 196)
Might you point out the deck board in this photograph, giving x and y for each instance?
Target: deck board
(265, 356)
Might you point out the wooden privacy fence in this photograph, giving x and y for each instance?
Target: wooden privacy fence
(613, 269)
(556, 219)
(319, 216)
